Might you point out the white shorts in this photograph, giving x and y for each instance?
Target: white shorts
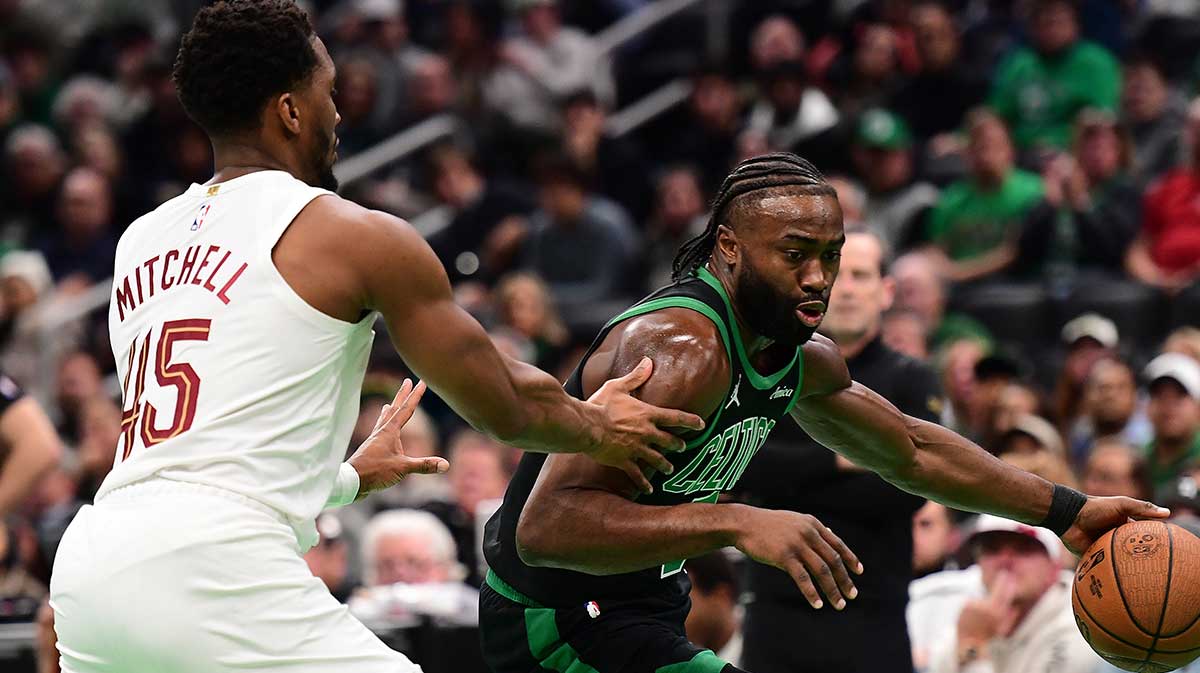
(165, 576)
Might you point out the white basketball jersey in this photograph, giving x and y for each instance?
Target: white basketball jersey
(229, 378)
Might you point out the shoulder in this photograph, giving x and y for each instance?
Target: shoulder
(825, 369)
(1018, 60)
(342, 228)
(692, 370)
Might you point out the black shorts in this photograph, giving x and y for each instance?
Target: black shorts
(520, 636)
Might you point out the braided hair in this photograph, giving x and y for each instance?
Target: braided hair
(777, 169)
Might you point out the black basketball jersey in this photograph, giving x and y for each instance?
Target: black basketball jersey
(711, 463)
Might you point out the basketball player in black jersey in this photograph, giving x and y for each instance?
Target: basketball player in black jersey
(586, 569)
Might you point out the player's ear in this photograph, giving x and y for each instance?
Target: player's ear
(287, 108)
(728, 246)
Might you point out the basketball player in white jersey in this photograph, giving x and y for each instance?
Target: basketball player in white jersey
(241, 320)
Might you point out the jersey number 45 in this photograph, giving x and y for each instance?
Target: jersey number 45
(141, 418)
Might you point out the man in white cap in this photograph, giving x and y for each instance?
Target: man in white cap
(1024, 622)
(1174, 410)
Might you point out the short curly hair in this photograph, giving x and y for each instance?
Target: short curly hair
(237, 55)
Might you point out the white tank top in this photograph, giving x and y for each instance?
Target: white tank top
(228, 377)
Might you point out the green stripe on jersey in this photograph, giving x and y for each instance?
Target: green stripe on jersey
(756, 379)
(547, 647)
(703, 662)
(508, 591)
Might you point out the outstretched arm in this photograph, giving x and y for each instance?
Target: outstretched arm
(929, 460)
(33, 450)
(580, 516)
(380, 262)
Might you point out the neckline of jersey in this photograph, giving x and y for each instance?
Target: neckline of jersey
(206, 190)
(758, 380)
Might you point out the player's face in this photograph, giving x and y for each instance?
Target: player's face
(785, 254)
(321, 139)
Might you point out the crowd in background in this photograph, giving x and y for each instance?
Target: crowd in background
(1031, 168)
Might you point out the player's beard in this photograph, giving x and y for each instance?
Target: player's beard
(767, 311)
(325, 177)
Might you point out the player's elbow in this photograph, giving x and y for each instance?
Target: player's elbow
(533, 539)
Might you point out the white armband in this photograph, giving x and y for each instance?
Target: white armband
(345, 487)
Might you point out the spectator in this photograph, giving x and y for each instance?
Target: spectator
(1089, 338)
(357, 98)
(1116, 468)
(329, 559)
(409, 546)
(706, 135)
(479, 475)
(1174, 412)
(679, 214)
(410, 571)
(34, 166)
(570, 221)
(81, 251)
(974, 227)
(896, 203)
(1110, 410)
(79, 380)
(472, 34)
(429, 90)
(525, 305)
(776, 39)
(921, 290)
(1024, 623)
(478, 213)
(957, 362)
(614, 167)
(994, 374)
(935, 539)
(542, 65)
(868, 73)
(1166, 252)
(793, 114)
(905, 331)
(99, 430)
(10, 105)
(1154, 115)
(851, 198)
(1040, 89)
(28, 301)
(1013, 401)
(85, 100)
(1089, 214)
(382, 38)
(935, 100)
(715, 620)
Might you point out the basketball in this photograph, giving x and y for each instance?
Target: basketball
(1136, 597)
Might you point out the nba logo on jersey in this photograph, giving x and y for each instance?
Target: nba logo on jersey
(593, 609)
(200, 216)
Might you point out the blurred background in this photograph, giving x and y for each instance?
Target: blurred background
(1028, 172)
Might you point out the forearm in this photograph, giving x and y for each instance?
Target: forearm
(601, 533)
(921, 457)
(34, 451)
(984, 265)
(551, 421)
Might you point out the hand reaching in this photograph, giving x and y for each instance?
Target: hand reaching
(380, 461)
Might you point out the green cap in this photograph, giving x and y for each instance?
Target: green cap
(880, 128)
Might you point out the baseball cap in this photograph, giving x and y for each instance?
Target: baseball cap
(28, 265)
(1179, 368)
(1091, 325)
(880, 128)
(1040, 430)
(989, 523)
(329, 526)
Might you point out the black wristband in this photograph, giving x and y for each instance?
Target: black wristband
(1064, 507)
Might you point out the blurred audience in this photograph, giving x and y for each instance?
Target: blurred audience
(715, 620)
(1173, 381)
(896, 203)
(329, 559)
(1116, 468)
(936, 537)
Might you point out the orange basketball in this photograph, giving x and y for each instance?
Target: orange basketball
(1136, 597)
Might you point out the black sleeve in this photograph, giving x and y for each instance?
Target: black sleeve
(10, 392)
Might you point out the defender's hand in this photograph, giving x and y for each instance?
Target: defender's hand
(380, 460)
(804, 548)
(1101, 515)
(635, 434)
